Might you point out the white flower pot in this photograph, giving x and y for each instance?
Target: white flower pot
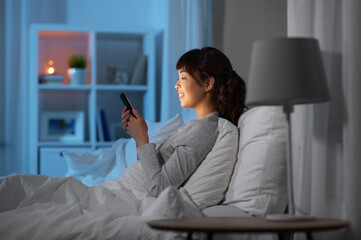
(77, 76)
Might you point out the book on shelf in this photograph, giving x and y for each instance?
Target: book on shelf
(99, 127)
(102, 126)
(51, 78)
(139, 74)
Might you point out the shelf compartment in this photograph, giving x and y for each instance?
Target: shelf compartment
(59, 46)
(111, 125)
(51, 160)
(119, 51)
(65, 101)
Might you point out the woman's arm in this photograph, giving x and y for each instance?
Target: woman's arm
(187, 153)
(173, 173)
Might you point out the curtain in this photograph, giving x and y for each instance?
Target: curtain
(15, 87)
(19, 15)
(188, 24)
(351, 38)
(327, 136)
(2, 88)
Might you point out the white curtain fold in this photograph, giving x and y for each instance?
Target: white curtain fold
(351, 84)
(327, 136)
(16, 86)
(19, 15)
(186, 30)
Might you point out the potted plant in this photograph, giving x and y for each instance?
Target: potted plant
(77, 69)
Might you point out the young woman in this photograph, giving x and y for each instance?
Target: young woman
(64, 208)
(208, 84)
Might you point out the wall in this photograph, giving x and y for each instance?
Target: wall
(122, 13)
(238, 23)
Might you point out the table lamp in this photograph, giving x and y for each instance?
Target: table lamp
(287, 71)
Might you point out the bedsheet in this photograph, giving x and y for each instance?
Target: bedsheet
(42, 207)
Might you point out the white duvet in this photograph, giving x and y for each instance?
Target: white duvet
(41, 207)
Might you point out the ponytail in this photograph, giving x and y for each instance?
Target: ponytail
(230, 97)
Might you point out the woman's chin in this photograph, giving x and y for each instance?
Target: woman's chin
(182, 104)
(185, 105)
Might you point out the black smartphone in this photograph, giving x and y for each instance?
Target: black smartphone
(126, 102)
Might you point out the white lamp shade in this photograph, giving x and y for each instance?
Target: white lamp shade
(286, 71)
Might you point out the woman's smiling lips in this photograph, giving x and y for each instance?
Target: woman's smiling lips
(180, 95)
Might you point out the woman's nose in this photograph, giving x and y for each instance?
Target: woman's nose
(177, 85)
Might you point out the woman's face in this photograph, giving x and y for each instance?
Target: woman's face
(191, 95)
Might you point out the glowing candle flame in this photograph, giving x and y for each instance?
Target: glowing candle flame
(51, 70)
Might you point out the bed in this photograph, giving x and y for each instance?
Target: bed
(243, 175)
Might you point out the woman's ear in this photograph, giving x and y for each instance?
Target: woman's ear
(209, 84)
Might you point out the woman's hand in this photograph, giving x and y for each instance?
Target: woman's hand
(135, 127)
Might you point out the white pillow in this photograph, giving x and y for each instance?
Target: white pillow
(258, 184)
(158, 132)
(96, 166)
(208, 184)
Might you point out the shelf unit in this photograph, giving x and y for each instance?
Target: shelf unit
(103, 48)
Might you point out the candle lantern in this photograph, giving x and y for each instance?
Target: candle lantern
(49, 67)
(50, 75)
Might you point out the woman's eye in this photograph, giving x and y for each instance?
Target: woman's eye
(183, 78)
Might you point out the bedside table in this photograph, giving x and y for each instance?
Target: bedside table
(245, 225)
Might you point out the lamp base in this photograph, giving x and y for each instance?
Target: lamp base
(289, 218)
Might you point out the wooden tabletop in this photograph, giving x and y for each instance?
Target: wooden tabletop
(245, 224)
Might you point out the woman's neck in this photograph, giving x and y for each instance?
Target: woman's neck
(203, 111)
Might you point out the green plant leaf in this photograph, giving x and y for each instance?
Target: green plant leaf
(77, 61)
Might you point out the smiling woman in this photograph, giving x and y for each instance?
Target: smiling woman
(208, 84)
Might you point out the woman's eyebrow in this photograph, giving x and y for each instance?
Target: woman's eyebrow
(181, 71)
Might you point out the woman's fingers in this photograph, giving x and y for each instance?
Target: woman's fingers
(125, 118)
(125, 122)
(137, 114)
(137, 128)
(125, 114)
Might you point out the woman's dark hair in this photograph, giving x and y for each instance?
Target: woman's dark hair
(229, 89)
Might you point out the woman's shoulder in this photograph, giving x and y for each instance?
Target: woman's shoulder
(201, 129)
(209, 121)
